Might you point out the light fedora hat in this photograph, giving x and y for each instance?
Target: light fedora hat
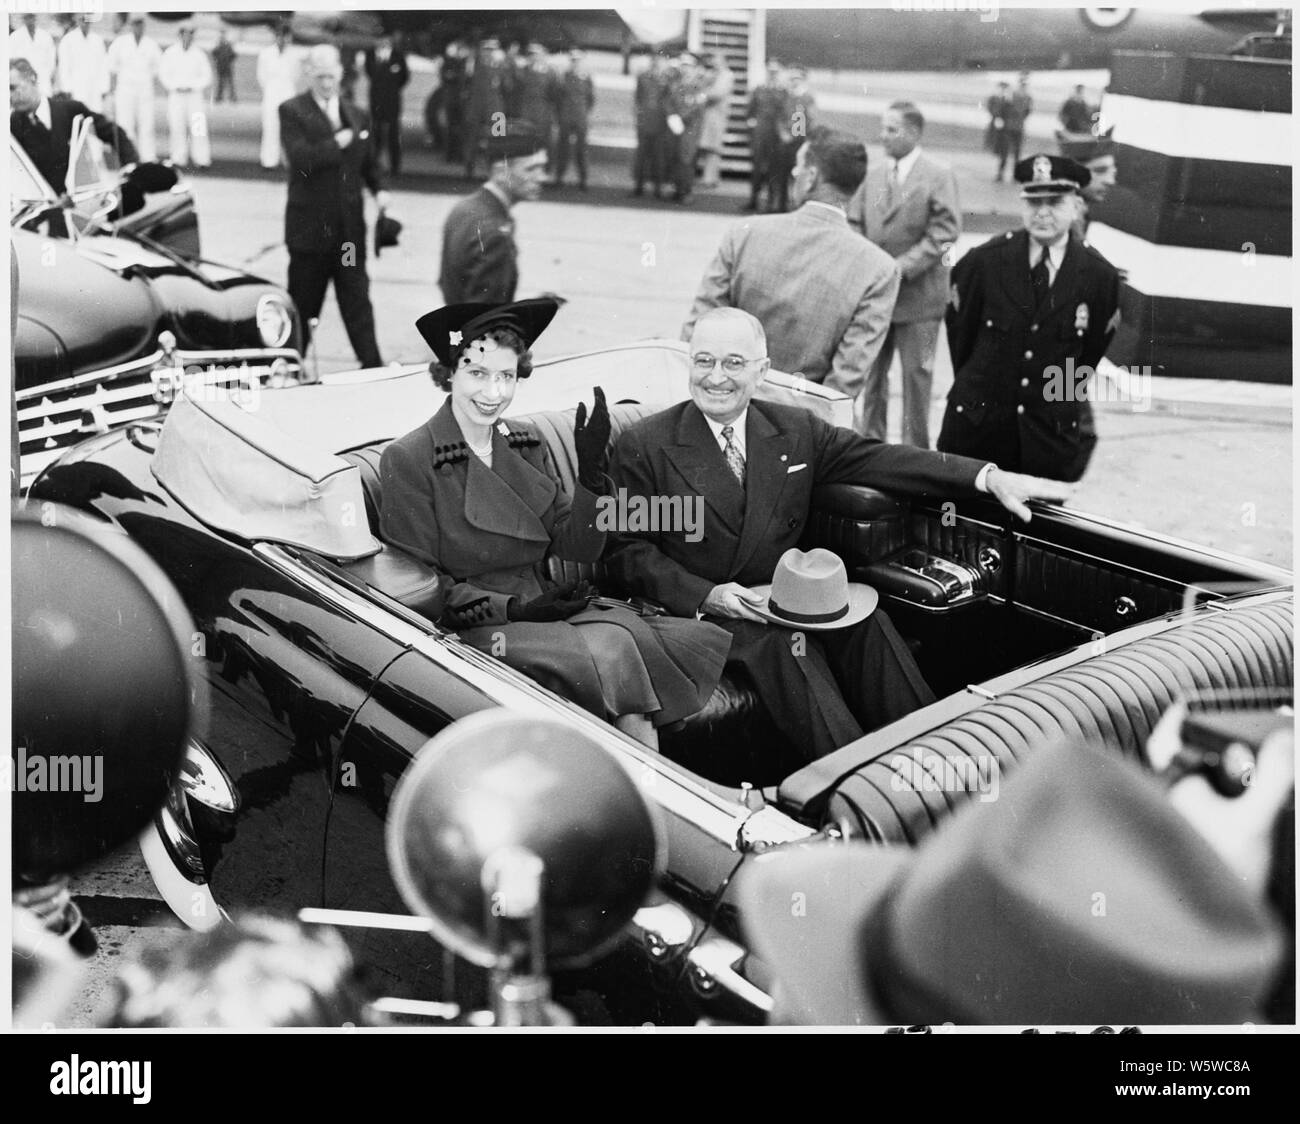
(811, 589)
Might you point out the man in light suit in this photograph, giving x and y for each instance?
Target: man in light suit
(755, 464)
(823, 295)
(908, 207)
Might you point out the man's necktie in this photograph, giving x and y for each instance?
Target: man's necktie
(735, 461)
(891, 196)
(1041, 281)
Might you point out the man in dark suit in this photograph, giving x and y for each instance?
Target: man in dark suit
(575, 95)
(651, 101)
(908, 207)
(768, 116)
(491, 89)
(327, 142)
(388, 74)
(1030, 314)
(479, 256)
(755, 464)
(823, 295)
(43, 126)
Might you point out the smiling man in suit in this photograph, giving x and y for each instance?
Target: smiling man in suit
(823, 295)
(908, 207)
(755, 464)
(327, 143)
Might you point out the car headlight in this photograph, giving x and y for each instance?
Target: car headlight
(274, 320)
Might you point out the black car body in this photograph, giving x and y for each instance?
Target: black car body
(116, 316)
(325, 667)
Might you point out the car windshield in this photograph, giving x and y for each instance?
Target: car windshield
(92, 180)
(26, 185)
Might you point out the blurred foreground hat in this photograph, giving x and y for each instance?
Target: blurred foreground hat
(1042, 174)
(1079, 896)
(387, 229)
(521, 138)
(812, 590)
(1084, 148)
(447, 329)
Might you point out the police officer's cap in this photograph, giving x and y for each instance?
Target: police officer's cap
(520, 138)
(1042, 174)
(449, 329)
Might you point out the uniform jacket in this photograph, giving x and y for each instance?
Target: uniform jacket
(479, 257)
(49, 151)
(769, 109)
(535, 89)
(487, 530)
(924, 221)
(491, 89)
(1006, 403)
(823, 295)
(788, 452)
(387, 79)
(326, 208)
(575, 96)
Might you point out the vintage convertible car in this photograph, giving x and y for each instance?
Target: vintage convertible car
(120, 312)
(327, 674)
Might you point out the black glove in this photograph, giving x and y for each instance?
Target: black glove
(591, 440)
(557, 604)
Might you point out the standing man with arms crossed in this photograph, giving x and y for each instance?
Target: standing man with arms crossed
(1030, 315)
(823, 294)
(755, 464)
(327, 141)
(908, 207)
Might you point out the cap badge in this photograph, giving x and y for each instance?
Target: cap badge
(1042, 170)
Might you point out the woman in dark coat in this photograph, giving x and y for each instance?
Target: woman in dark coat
(478, 499)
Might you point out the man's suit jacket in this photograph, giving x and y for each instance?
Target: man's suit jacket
(326, 208)
(915, 231)
(788, 452)
(823, 295)
(49, 149)
(478, 251)
(1016, 396)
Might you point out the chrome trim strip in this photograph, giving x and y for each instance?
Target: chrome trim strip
(983, 692)
(179, 359)
(675, 792)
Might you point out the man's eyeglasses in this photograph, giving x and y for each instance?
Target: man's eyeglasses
(732, 364)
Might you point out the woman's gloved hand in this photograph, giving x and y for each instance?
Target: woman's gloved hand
(557, 604)
(591, 440)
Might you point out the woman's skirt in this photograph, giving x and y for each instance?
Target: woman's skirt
(612, 661)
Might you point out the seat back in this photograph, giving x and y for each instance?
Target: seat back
(554, 427)
(1112, 699)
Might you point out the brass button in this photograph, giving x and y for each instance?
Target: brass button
(1029, 354)
(988, 323)
(1020, 409)
(1024, 382)
(960, 409)
(1033, 327)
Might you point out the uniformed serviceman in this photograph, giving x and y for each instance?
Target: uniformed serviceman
(1030, 314)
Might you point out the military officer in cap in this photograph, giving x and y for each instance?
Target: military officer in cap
(1030, 314)
(478, 240)
(1097, 154)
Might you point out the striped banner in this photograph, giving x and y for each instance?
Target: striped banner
(1200, 221)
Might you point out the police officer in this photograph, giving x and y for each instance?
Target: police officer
(1030, 314)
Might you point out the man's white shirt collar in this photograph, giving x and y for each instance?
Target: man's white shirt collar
(42, 112)
(325, 105)
(738, 434)
(906, 164)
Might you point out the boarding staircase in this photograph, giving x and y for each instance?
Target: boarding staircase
(739, 35)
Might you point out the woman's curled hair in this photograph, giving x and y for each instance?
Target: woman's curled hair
(504, 337)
